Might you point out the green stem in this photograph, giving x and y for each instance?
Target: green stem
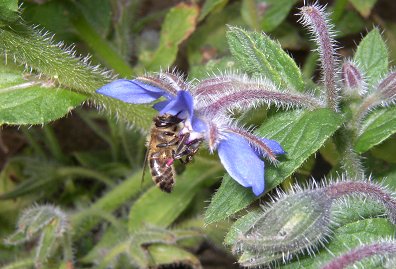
(115, 252)
(114, 138)
(33, 143)
(101, 47)
(350, 161)
(132, 154)
(363, 109)
(95, 128)
(67, 249)
(84, 172)
(53, 144)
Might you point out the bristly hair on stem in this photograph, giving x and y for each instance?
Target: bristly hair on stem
(221, 93)
(170, 81)
(383, 248)
(383, 96)
(316, 20)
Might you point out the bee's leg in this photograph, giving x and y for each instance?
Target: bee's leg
(188, 151)
(182, 149)
(189, 154)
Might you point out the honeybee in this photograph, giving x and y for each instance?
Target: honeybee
(164, 146)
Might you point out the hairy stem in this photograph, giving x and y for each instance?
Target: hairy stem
(314, 17)
(360, 253)
(374, 191)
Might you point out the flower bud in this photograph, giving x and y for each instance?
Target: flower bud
(48, 223)
(296, 223)
(352, 79)
(387, 89)
(299, 222)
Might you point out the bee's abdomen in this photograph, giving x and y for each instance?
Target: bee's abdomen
(162, 174)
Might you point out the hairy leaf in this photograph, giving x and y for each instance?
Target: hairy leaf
(372, 56)
(299, 135)
(259, 55)
(27, 104)
(30, 100)
(380, 125)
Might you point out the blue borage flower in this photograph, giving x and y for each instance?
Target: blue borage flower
(204, 109)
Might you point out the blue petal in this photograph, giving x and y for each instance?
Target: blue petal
(275, 147)
(182, 105)
(161, 105)
(242, 163)
(131, 91)
(198, 125)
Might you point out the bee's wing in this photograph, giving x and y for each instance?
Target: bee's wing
(144, 166)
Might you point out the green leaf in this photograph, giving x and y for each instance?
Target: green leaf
(8, 11)
(209, 41)
(372, 56)
(36, 105)
(386, 150)
(275, 13)
(241, 226)
(157, 208)
(211, 6)
(179, 23)
(51, 15)
(31, 102)
(379, 125)
(48, 243)
(363, 6)
(301, 133)
(345, 238)
(97, 12)
(259, 55)
(211, 67)
(168, 255)
(17, 238)
(349, 23)
(249, 13)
